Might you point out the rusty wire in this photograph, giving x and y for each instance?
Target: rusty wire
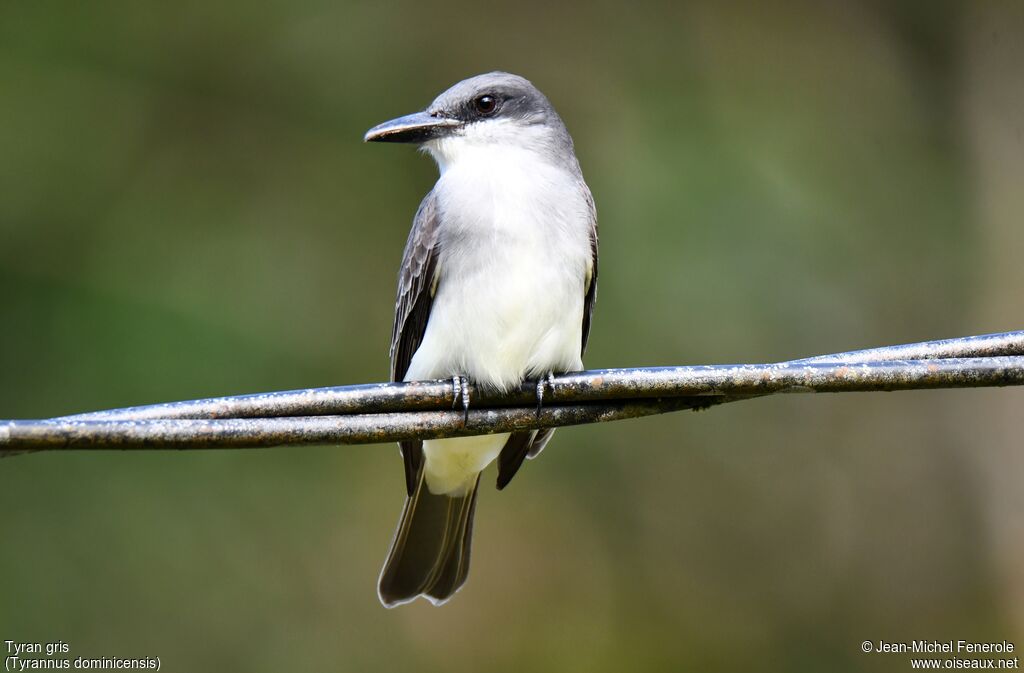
(391, 411)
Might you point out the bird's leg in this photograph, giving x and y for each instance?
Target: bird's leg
(460, 392)
(546, 381)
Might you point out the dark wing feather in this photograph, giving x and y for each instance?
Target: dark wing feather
(540, 441)
(416, 287)
(522, 445)
(591, 296)
(512, 455)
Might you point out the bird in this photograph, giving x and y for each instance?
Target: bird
(497, 286)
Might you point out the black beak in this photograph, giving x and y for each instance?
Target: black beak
(415, 128)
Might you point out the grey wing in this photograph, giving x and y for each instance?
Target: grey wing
(528, 444)
(416, 286)
(591, 296)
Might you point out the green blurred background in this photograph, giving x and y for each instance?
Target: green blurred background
(187, 209)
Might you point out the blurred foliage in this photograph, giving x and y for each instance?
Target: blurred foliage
(186, 209)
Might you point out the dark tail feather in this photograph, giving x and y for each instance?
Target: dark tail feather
(430, 553)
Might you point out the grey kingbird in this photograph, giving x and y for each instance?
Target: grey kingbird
(497, 286)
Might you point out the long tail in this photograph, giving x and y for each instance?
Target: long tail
(430, 553)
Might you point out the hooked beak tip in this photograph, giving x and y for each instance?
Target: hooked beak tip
(415, 128)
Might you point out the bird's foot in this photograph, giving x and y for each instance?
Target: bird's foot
(546, 381)
(460, 393)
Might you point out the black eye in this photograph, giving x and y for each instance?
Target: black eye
(485, 104)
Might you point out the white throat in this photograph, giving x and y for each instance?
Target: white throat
(496, 141)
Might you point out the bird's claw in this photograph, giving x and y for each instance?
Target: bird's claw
(456, 390)
(546, 381)
(460, 393)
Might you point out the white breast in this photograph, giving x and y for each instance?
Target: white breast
(515, 256)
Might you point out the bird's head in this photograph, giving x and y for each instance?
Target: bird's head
(494, 111)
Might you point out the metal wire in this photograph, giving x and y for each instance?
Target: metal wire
(391, 411)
